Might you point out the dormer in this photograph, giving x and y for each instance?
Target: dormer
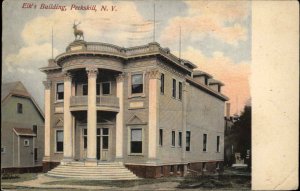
(201, 77)
(188, 64)
(215, 85)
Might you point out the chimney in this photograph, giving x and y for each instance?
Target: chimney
(227, 110)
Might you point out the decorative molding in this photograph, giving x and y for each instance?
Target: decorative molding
(153, 74)
(92, 71)
(47, 84)
(135, 120)
(170, 69)
(67, 76)
(121, 77)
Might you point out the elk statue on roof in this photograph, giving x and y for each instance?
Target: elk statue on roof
(77, 32)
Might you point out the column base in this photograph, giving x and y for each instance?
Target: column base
(91, 162)
(66, 160)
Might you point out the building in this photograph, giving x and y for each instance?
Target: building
(22, 130)
(141, 106)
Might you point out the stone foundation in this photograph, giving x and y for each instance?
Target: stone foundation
(34, 169)
(144, 171)
(48, 165)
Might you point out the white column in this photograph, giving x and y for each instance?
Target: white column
(154, 77)
(47, 132)
(91, 117)
(73, 122)
(120, 117)
(68, 137)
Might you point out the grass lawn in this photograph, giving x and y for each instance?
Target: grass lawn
(12, 178)
(115, 183)
(217, 182)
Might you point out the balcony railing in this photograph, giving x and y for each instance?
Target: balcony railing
(108, 102)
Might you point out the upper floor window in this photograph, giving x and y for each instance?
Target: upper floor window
(136, 141)
(162, 83)
(180, 90)
(59, 91)
(34, 129)
(84, 89)
(174, 89)
(173, 138)
(105, 88)
(26, 143)
(20, 108)
(160, 137)
(137, 83)
(218, 143)
(204, 142)
(188, 141)
(179, 139)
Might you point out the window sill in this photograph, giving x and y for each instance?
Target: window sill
(58, 152)
(59, 101)
(135, 154)
(137, 95)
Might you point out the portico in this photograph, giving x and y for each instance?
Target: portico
(93, 133)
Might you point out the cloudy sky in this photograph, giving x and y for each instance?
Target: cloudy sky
(215, 35)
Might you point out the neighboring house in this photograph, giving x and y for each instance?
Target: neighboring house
(141, 106)
(22, 128)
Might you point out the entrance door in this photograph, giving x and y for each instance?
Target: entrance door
(102, 143)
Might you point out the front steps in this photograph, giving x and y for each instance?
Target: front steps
(103, 171)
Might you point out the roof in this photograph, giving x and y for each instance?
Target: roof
(24, 132)
(17, 89)
(213, 81)
(188, 64)
(201, 73)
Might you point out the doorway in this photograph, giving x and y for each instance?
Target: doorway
(102, 143)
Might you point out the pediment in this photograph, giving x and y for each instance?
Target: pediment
(135, 120)
(59, 123)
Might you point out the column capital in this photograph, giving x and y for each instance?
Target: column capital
(91, 71)
(153, 74)
(120, 77)
(47, 84)
(67, 76)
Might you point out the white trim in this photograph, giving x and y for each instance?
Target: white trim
(25, 144)
(130, 94)
(55, 146)
(129, 140)
(55, 91)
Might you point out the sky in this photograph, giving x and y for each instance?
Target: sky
(215, 35)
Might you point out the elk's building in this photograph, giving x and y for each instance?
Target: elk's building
(141, 107)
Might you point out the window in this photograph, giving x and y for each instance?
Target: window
(106, 88)
(204, 141)
(84, 89)
(84, 138)
(19, 108)
(59, 141)
(173, 138)
(179, 139)
(218, 143)
(136, 141)
(162, 83)
(174, 89)
(137, 83)
(160, 137)
(26, 143)
(34, 129)
(59, 91)
(180, 90)
(219, 88)
(205, 80)
(98, 89)
(3, 149)
(188, 141)
(35, 154)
